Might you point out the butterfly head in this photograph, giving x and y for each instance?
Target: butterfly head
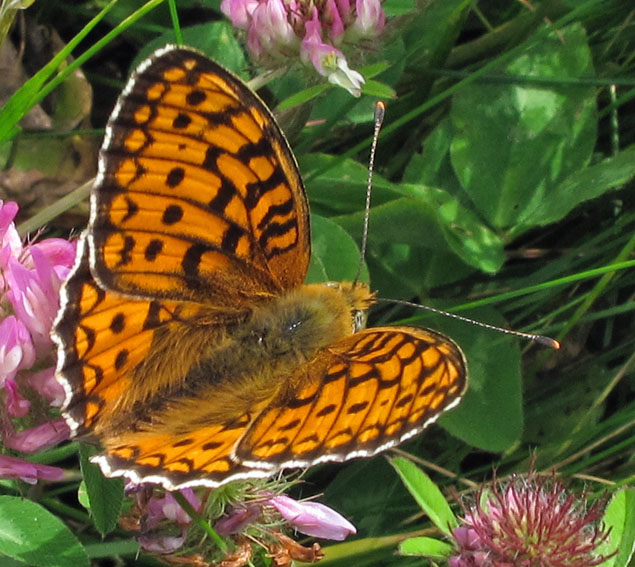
(304, 320)
(358, 298)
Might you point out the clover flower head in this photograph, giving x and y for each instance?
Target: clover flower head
(30, 279)
(530, 521)
(316, 32)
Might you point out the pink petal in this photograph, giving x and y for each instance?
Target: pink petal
(17, 406)
(57, 251)
(10, 241)
(165, 507)
(161, 544)
(173, 511)
(45, 384)
(237, 520)
(12, 467)
(34, 295)
(239, 11)
(336, 28)
(39, 437)
(269, 30)
(370, 18)
(16, 348)
(313, 518)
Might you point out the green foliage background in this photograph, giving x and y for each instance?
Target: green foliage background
(503, 191)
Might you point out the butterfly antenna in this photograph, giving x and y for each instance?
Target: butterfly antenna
(540, 339)
(380, 109)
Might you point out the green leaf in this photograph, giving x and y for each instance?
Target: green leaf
(82, 495)
(338, 186)
(334, 254)
(425, 546)
(380, 90)
(402, 221)
(31, 534)
(216, 39)
(515, 142)
(432, 167)
(396, 240)
(105, 495)
(466, 234)
(491, 415)
(370, 71)
(303, 96)
(426, 493)
(366, 485)
(551, 419)
(394, 8)
(432, 219)
(442, 22)
(586, 184)
(400, 271)
(619, 517)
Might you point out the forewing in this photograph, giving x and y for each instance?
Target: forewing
(198, 195)
(361, 395)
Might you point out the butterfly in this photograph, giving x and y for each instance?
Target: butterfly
(189, 346)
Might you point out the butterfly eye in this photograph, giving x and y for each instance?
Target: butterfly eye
(292, 327)
(273, 343)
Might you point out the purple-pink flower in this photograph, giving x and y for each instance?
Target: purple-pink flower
(16, 348)
(39, 437)
(44, 384)
(317, 32)
(167, 508)
(528, 522)
(33, 289)
(30, 279)
(310, 518)
(370, 18)
(17, 406)
(10, 241)
(313, 518)
(237, 519)
(328, 60)
(164, 526)
(12, 467)
(163, 545)
(276, 35)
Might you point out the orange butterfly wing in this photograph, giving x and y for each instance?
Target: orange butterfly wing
(359, 396)
(100, 336)
(202, 457)
(198, 195)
